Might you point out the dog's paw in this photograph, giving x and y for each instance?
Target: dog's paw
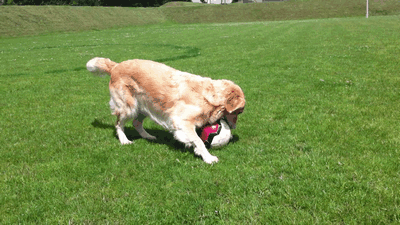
(210, 159)
(126, 142)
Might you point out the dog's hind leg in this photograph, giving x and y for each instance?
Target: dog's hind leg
(124, 107)
(119, 126)
(138, 124)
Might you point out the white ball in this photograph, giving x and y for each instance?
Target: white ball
(216, 135)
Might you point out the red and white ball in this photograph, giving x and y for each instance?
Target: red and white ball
(216, 135)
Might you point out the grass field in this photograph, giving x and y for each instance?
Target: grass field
(318, 142)
(34, 20)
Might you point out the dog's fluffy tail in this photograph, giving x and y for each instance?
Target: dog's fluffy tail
(100, 66)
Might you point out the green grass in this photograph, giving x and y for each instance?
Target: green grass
(34, 20)
(318, 142)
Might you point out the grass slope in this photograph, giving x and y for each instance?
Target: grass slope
(318, 142)
(32, 20)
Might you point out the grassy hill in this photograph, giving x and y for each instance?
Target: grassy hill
(32, 20)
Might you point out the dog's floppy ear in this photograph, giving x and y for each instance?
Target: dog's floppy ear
(211, 93)
(224, 96)
(235, 100)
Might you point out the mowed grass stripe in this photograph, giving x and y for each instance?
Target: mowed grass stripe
(318, 142)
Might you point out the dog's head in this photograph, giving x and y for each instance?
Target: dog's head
(232, 105)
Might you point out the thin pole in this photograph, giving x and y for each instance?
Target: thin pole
(367, 9)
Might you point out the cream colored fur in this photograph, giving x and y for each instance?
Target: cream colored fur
(176, 100)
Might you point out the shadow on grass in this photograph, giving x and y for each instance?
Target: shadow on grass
(163, 137)
(189, 52)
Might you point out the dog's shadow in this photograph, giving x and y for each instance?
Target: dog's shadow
(163, 137)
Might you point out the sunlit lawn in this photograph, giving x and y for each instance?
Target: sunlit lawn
(318, 142)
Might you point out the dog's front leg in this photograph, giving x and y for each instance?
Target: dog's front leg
(200, 149)
(190, 138)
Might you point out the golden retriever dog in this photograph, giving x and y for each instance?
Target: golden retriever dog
(178, 101)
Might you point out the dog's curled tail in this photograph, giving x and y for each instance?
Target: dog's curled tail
(100, 66)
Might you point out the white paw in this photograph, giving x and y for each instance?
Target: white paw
(126, 142)
(210, 159)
